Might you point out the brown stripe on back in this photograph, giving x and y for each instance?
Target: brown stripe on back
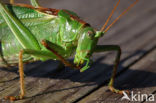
(41, 9)
(49, 11)
(53, 12)
(76, 18)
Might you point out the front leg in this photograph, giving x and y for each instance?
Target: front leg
(103, 48)
(48, 45)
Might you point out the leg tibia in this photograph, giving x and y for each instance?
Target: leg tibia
(102, 48)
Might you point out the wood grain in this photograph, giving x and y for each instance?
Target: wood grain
(135, 33)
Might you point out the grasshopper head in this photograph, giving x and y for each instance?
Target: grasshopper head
(86, 45)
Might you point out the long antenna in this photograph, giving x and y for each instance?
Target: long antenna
(104, 26)
(124, 12)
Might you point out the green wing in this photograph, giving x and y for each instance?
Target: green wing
(37, 22)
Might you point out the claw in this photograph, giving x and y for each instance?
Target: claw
(128, 92)
(13, 98)
(117, 91)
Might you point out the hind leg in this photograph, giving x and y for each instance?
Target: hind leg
(34, 3)
(36, 53)
(12, 2)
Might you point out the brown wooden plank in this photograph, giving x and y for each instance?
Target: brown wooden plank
(73, 87)
(138, 78)
(135, 33)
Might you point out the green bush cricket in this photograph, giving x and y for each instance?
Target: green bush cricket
(30, 33)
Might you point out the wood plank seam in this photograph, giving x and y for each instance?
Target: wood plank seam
(118, 74)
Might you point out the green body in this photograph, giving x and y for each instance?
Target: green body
(63, 32)
(22, 28)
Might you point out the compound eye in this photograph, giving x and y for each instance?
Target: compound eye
(91, 34)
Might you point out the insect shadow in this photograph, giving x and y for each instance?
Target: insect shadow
(99, 74)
